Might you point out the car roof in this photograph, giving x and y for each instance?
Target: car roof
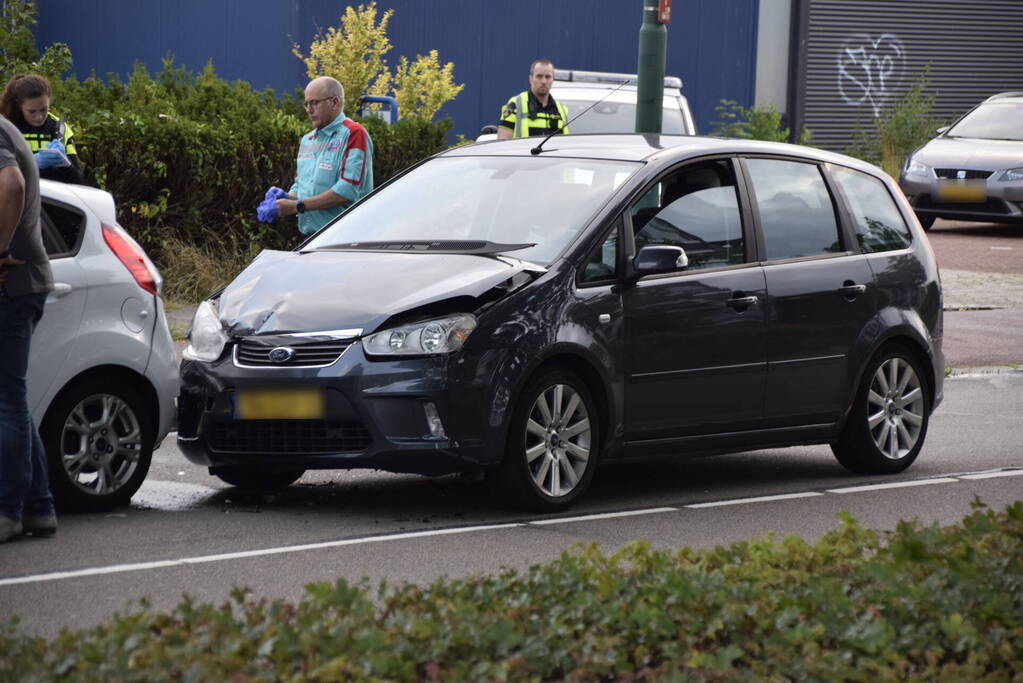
(649, 148)
(1014, 96)
(99, 201)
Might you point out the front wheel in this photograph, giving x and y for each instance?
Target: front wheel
(926, 221)
(99, 445)
(888, 421)
(256, 479)
(552, 446)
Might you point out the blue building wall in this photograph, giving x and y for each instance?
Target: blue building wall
(711, 43)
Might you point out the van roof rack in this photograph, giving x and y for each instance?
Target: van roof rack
(609, 77)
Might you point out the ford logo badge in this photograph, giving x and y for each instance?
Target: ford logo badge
(281, 354)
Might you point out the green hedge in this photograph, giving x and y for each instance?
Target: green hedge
(190, 156)
(920, 603)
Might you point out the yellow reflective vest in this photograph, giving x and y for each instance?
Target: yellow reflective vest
(526, 117)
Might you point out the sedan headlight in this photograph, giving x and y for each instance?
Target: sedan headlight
(1013, 175)
(207, 338)
(427, 338)
(914, 167)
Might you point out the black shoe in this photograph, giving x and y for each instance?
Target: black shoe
(39, 525)
(9, 528)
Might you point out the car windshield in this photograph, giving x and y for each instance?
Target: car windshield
(616, 117)
(539, 200)
(992, 121)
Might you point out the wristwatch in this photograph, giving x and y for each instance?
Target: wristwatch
(300, 206)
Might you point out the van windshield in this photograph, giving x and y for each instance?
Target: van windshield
(542, 201)
(617, 117)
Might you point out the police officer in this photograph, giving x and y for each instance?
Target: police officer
(534, 111)
(26, 103)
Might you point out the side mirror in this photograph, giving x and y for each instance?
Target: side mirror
(488, 130)
(941, 131)
(659, 258)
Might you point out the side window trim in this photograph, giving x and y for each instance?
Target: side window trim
(846, 220)
(618, 224)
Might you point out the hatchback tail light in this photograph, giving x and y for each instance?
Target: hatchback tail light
(134, 259)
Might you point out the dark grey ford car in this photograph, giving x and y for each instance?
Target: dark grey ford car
(528, 311)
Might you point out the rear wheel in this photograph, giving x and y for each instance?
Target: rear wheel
(552, 445)
(257, 479)
(888, 421)
(99, 444)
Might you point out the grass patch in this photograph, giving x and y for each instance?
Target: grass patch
(920, 603)
(191, 273)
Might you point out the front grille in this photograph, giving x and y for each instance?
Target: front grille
(288, 436)
(953, 174)
(255, 352)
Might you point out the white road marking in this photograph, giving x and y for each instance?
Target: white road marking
(993, 475)
(221, 557)
(603, 515)
(758, 499)
(894, 485)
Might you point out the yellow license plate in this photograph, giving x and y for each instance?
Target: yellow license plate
(280, 404)
(968, 191)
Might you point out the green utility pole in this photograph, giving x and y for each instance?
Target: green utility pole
(653, 38)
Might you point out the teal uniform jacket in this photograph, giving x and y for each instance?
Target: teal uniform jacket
(337, 157)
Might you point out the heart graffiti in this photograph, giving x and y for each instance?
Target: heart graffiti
(870, 70)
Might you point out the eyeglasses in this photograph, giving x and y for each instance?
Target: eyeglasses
(309, 104)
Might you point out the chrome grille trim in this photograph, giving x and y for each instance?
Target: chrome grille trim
(318, 352)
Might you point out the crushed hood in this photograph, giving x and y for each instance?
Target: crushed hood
(285, 291)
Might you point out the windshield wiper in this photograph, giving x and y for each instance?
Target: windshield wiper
(483, 247)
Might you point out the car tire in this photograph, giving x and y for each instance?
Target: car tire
(98, 438)
(926, 221)
(887, 424)
(256, 479)
(552, 446)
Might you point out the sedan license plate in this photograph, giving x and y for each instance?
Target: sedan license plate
(280, 404)
(959, 191)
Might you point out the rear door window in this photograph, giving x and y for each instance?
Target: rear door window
(797, 215)
(878, 223)
(62, 229)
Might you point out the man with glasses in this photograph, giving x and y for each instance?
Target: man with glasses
(335, 160)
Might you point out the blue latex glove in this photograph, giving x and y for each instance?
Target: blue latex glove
(275, 193)
(57, 145)
(267, 210)
(46, 158)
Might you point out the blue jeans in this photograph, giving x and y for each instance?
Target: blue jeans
(24, 488)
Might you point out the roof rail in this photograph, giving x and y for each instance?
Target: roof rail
(1015, 93)
(578, 76)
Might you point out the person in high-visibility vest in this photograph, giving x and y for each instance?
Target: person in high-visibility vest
(26, 103)
(534, 111)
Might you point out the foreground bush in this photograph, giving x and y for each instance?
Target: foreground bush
(920, 603)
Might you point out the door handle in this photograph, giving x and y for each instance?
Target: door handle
(741, 303)
(60, 289)
(850, 290)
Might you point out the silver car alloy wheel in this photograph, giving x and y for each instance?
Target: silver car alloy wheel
(557, 440)
(895, 410)
(101, 442)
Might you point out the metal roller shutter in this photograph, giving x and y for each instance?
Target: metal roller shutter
(855, 57)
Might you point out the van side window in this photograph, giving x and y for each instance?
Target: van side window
(602, 264)
(697, 208)
(797, 215)
(879, 225)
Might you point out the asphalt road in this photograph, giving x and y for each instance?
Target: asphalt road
(186, 532)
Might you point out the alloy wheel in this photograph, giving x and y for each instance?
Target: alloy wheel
(895, 410)
(101, 443)
(558, 440)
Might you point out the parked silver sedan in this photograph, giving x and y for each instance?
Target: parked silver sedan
(973, 170)
(102, 372)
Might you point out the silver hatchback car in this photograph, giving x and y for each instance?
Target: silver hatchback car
(102, 372)
(973, 170)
